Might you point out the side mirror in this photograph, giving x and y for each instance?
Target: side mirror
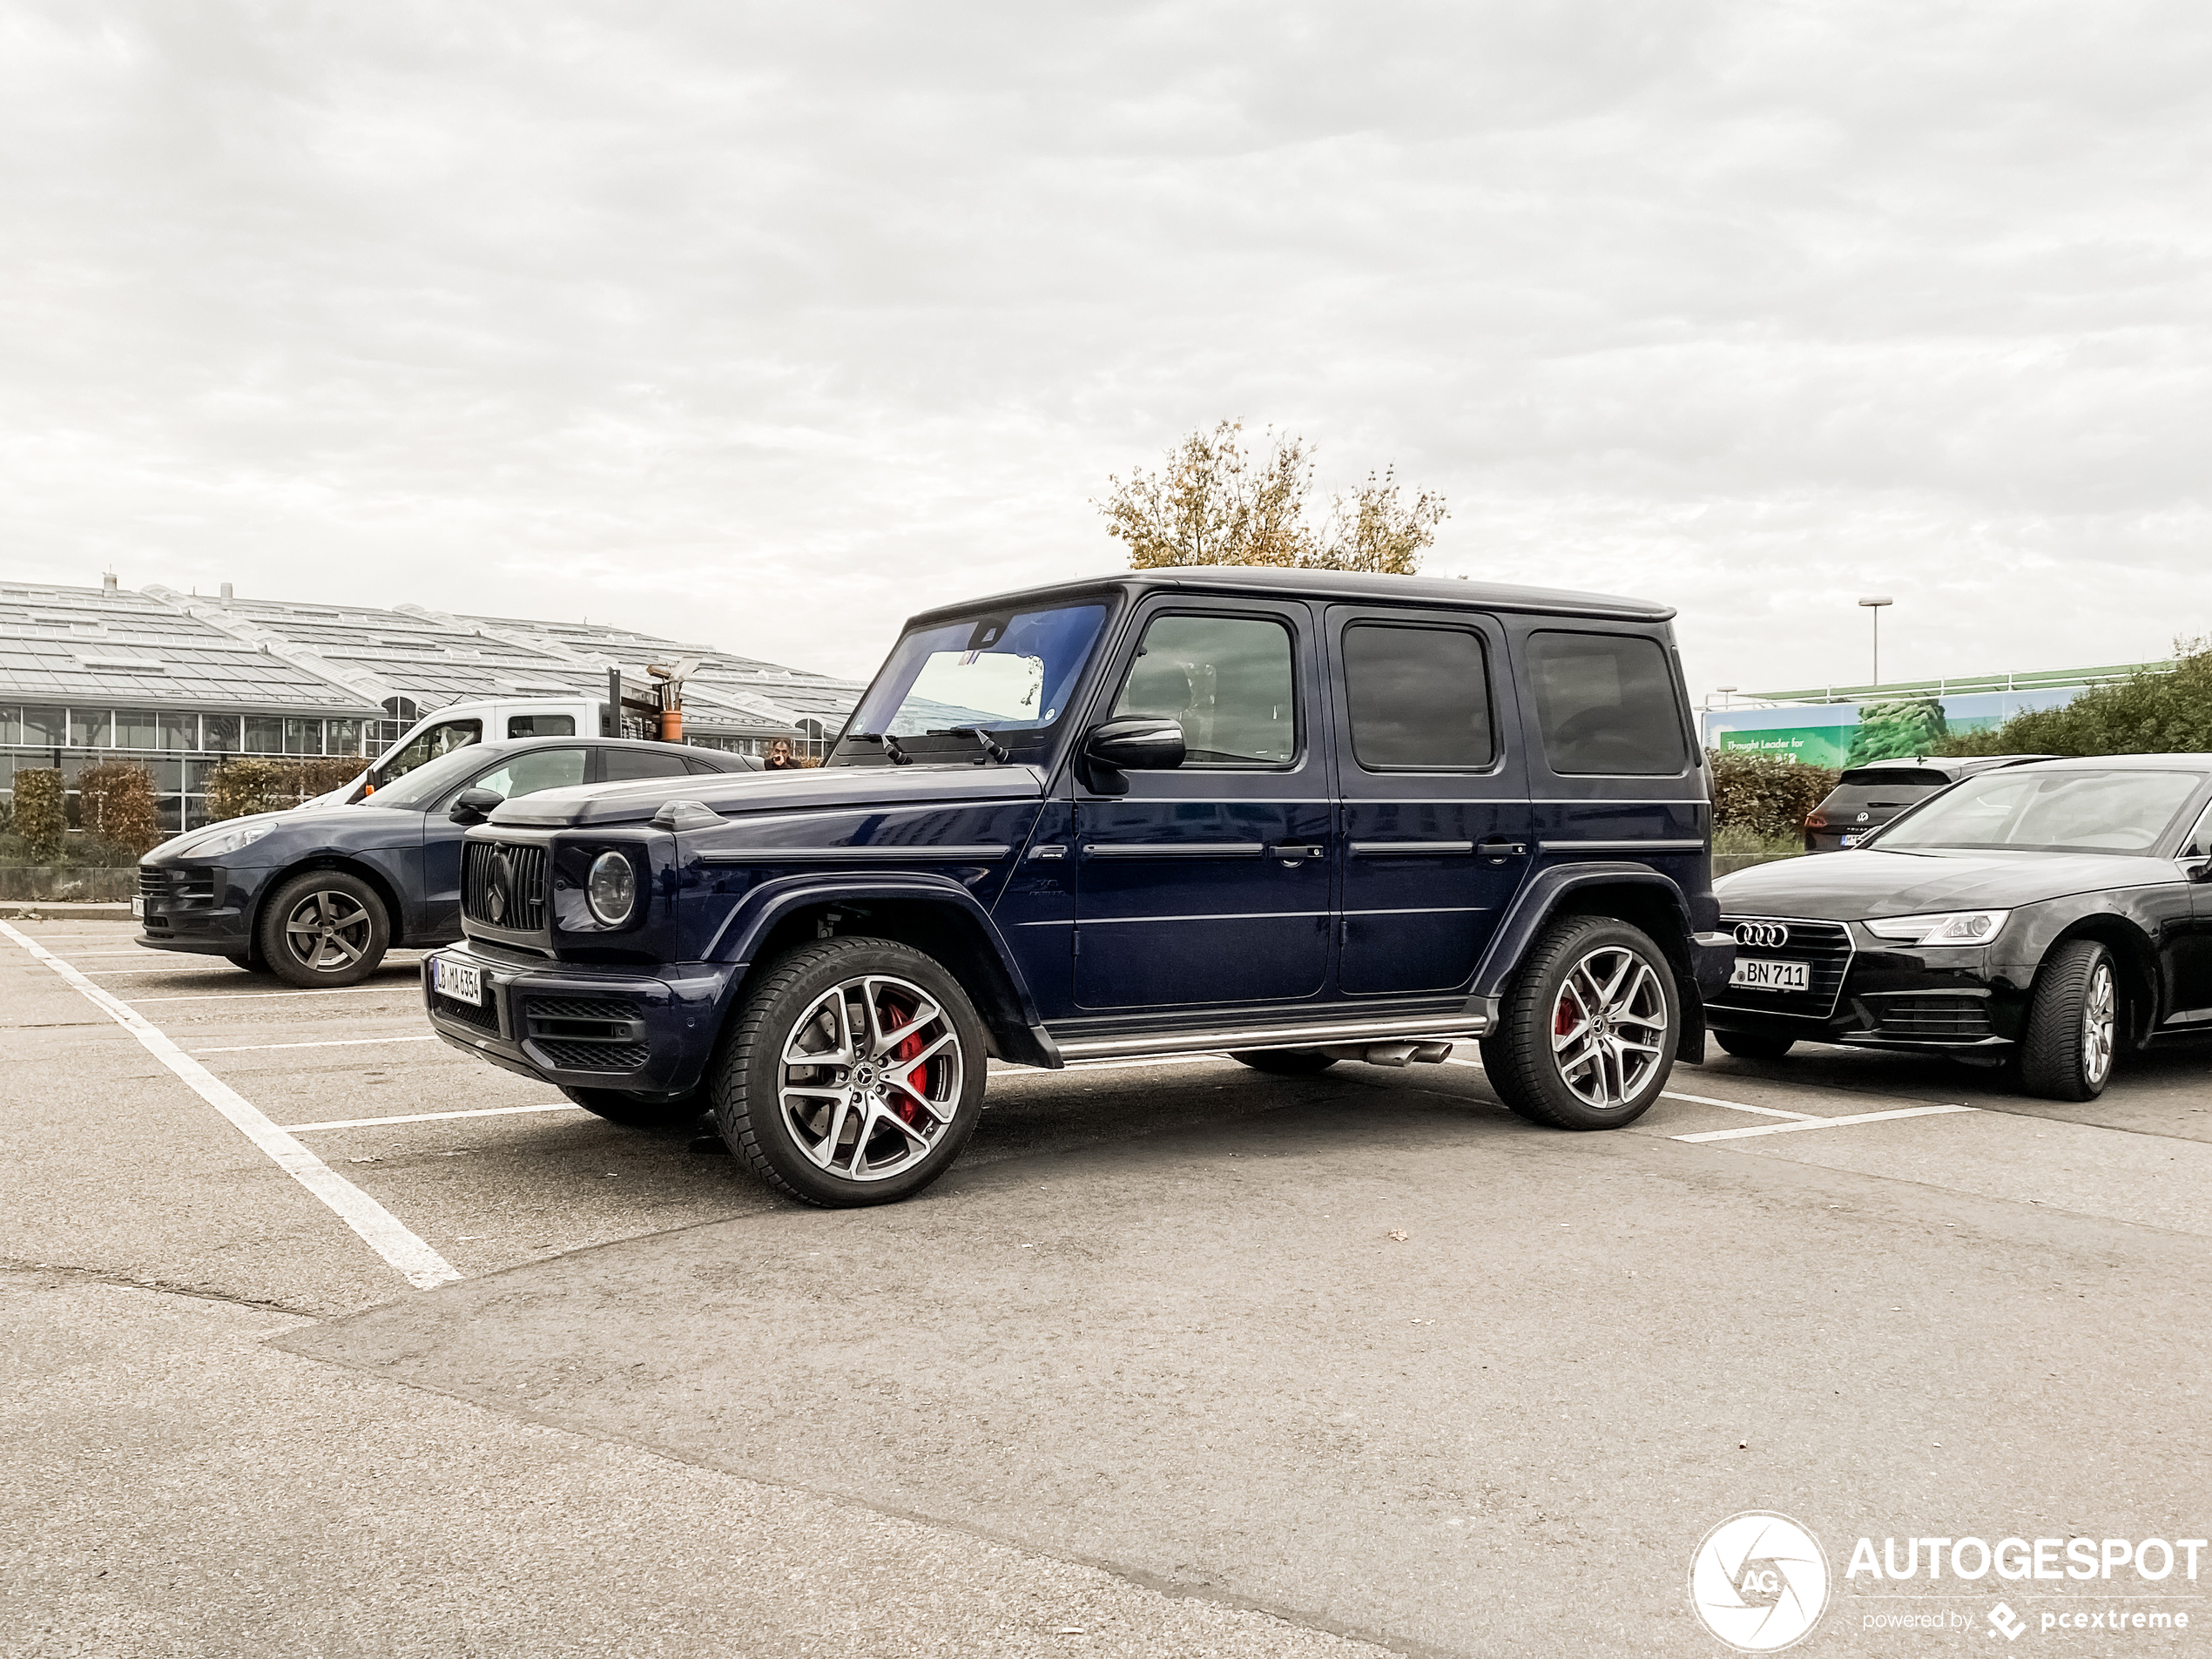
(1147, 744)
(473, 805)
(2200, 872)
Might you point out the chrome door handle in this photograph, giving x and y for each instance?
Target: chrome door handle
(1297, 852)
(1503, 850)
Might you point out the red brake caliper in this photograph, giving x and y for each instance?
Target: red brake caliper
(1563, 1017)
(905, 1050)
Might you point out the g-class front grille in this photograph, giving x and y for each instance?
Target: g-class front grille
(503, 884)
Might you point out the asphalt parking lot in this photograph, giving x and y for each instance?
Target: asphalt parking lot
(1181, 1359)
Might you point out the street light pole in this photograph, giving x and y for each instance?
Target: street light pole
(1875, 605)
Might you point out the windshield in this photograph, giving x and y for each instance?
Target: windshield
(2073, 811)
(1011, 675)
(419, 791)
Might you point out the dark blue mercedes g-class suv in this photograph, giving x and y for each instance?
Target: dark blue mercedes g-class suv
(1301, 817)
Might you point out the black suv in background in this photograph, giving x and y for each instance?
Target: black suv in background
(1299, 817)
(1865, 798)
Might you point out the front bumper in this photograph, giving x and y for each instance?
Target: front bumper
(629, 1031)
(1712, 957)
(198, 907)
(1868, 994)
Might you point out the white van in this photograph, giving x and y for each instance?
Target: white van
(458, 724)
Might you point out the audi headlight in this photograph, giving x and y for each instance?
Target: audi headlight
(214, 844)
(1944, 927)
(612, 889)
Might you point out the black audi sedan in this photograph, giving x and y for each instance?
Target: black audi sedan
(2049, 916)
(317, 895)
(1865, 798)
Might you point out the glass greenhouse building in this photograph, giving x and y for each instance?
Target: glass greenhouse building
(179, 682)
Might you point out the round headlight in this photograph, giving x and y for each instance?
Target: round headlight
(611, 888)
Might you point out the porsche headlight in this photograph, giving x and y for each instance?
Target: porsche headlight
(1942, 928)
(215, 843)
(612, 889)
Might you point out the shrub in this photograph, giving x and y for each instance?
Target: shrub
(251, 783)
(116, 802)
(1765, 795)
(40, 818)
(2153, 712)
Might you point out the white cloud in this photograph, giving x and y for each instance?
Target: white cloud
(771, 324)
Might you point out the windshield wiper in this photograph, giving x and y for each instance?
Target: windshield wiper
(897, 756)
(992, 746)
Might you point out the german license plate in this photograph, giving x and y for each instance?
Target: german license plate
(138, 904)
(1756, 974)
(1851, 840)
(463, 981)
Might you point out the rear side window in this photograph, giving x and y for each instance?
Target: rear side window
(541, 725)
(620, 764)
(1606, 704)
(1419, 698)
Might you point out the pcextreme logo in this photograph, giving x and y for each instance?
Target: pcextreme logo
(1758, 1581)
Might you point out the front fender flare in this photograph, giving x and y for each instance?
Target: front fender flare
(1020, 1032)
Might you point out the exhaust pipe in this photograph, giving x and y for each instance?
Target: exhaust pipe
(1430, 1053)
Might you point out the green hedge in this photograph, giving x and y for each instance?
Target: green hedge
(249, 784)
(1765, 796)
(41, 815)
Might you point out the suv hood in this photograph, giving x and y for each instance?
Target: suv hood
(1854, 886)
(739, 793)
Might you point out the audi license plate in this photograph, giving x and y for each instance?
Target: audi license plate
(463, 981)
(1756, 973)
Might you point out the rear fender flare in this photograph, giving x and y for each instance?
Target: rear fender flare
(1549, 892)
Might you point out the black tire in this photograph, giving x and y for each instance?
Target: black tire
(789, 1122)
(1548, 1076)
(1285, 1062)
(1754, 1045)
(644, 1111)
(322, 928)
(2074, 1024)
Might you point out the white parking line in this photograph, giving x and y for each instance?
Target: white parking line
(1824, 1123)
(383, 1232)
(1669, 1093)
(433, 1118)
(327, 1043)
(410, 989)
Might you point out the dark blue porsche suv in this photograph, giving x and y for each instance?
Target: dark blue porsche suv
(316, 895)
(1298, 817)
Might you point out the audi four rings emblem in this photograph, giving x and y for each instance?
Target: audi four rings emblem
(1768, 934)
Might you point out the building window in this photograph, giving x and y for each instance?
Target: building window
(219, 733)
(89, 728)
(180, 731)
(303, 737)
(344, 737)
(134, 729)
(45, 728)
(264, 735)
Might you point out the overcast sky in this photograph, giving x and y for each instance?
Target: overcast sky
(771, 324)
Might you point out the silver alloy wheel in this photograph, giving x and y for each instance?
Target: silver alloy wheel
(327, 931)
(870, 1077)
(1610, 1026)
(2097, 1019)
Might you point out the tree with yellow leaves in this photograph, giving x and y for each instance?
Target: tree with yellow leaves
(1218, 502)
